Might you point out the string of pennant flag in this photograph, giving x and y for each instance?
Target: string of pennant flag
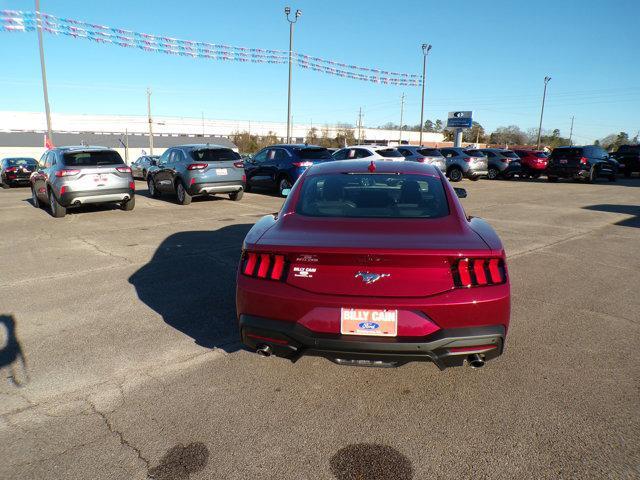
(19, 21)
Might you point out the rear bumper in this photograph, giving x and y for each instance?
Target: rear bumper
(215, 187)
(292, 340)
(110, 195)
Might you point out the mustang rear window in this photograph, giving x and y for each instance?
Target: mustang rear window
(215, 155)
(375, 195)
(92, 159)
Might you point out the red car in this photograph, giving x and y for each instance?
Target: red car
(374, 264)
(534, 162)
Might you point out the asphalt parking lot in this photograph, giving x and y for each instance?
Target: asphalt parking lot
(132, 367)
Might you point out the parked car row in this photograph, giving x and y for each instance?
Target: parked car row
(68, 177)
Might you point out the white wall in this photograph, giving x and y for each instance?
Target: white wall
(37, 152)
(35, 121)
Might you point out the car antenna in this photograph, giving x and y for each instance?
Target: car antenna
(372, 167)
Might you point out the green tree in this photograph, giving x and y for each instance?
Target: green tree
(476, 132)
(245, 142)
(438, 126)
(344, 136)
(312, 136)
(429, 126)
(511, 135)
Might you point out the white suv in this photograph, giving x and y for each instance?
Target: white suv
(368, 152)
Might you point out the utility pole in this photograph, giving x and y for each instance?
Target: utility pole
(202, 113)
(544, 96)
(287, 11)
(360, 126)
(44, 74)
(571, 131)
(401, 116)
(126, 146)
(425, 51)
(150, 121)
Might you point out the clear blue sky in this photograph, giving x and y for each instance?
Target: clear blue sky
(488, 56)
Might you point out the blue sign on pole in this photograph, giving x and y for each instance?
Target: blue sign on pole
(462, 119)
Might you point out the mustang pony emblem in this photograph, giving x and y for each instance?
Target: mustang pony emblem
(369, 278)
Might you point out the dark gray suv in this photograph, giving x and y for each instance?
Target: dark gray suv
(193, 170)
(73, 176)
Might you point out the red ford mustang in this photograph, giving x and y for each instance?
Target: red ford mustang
(374, 264)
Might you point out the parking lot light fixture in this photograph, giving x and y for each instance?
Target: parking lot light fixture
(425, 51)
(287, 12)
(544, 96)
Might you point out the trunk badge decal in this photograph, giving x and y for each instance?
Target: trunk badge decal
(369, 278)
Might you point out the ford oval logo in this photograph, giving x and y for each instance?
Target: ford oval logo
(368, 326)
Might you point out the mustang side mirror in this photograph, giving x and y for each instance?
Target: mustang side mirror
(286, 192)
(460, 192)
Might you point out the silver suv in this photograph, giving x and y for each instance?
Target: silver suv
(432, 156)
(461, 163)
(72, 176)
(191, 170)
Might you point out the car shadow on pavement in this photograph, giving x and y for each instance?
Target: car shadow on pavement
(11, 355)
(634, 210)
(191, 282)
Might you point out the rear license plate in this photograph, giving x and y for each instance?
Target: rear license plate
(375, 323)
(221, 171)
(563, 160)
(100, 178)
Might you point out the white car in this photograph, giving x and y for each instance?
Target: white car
(369, 152)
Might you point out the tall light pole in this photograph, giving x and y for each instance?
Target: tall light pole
(150, 121)
(425, 51)
(401, 116)
(287, 11)
(544, 96)
(44, 74)
(571, 131)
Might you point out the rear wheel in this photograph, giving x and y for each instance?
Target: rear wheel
(612, 178)
(627, 174)
(455, 174)
(284, 184)
(129, 204)
(551, 178)
(183, 197)
(474, 178)
(34, 198)
(153, 191)
(235, 196)
(535, 175)
(57, 210)
(493, 173)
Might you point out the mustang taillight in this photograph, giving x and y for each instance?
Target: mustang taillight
(264, 265)
(477, 272)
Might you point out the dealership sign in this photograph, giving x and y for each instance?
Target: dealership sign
(460, 119)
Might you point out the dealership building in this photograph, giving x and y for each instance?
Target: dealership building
(22, 133)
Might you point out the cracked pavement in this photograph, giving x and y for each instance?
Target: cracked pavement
(132, 365)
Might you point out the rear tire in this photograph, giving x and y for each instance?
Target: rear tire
(627, 174)
(283, 185)
(493, 173)
(183, 196)
(34, 199)
(235, 196)
(535, 175)
(129, 204)
(612, 178)
(551, 178)
(455, 174)
(151, 186)
(474, 178)
(57, 210)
